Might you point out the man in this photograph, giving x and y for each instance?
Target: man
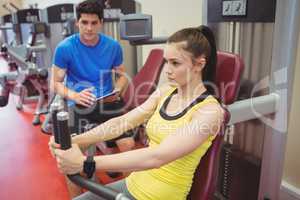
(88, 60)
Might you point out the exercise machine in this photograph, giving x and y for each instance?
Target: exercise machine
(28, 75)
(62, 137)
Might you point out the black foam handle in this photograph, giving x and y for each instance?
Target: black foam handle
(55, 126)
(4, 95)
(64, 134)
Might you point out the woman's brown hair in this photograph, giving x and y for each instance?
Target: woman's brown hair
(199, 41)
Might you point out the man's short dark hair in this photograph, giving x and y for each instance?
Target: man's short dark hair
(90, 7)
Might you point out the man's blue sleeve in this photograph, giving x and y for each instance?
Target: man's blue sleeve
(60, 58)
(118, 58)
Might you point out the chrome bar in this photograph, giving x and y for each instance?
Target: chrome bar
(19, 59)
(6, 27)
(253, 108)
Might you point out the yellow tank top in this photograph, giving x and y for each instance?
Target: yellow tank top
(173, 180)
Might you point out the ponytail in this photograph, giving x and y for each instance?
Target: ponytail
(209, 71)
(200, 41)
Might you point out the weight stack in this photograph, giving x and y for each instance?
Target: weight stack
(239, 174)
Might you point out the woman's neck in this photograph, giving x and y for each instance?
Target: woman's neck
(191, 90)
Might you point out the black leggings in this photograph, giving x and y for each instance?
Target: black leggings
(81, 116)
(101, 112)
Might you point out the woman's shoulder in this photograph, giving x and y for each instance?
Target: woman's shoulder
(159, 93)
(163, 90)
(210, 106)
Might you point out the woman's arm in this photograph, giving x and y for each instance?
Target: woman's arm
(206, 121)
(117, 126)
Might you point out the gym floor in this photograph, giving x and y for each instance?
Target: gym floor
(27, 169)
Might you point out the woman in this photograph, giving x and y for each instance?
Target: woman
(182, 120)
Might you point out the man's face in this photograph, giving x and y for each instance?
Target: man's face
(89, 26)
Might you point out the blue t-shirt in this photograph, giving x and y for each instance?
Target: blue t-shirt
(89, 66)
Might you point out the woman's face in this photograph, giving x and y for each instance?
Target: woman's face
(180, 69)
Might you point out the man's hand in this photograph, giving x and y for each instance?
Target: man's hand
(70, 161)
(117, 91)
(85, 97)
(116, 96)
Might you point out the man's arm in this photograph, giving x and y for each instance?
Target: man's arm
(56, 83)
(121, 81)
(85, 97)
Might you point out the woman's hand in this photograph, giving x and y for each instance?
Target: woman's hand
(52, 145)
(77, 139)
(70, 161)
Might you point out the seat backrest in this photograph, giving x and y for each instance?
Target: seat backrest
(145, 81)
(228, 75)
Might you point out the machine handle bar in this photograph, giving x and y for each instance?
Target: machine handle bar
(64, 139)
